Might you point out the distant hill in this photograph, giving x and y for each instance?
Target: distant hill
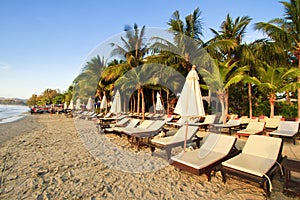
(12, 101)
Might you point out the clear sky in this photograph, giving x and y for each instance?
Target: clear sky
(44, 43)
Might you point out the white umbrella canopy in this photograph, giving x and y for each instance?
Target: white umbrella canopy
(78, 103)
(103, 104)
(190, 102)
(158, 105)
(71, 105)
(116, 104)
(89, 105)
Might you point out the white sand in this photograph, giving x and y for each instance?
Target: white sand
(48, 159)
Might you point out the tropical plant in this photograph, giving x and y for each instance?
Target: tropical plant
(192, 27)
(286, 32)
(226, 41)
(134, 48)
(136, 79)
(272, 80)
(86, 83)
(220, 77)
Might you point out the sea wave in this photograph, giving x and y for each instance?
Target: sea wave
(10, 113)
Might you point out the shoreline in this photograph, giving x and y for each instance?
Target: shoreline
(47, 159)
(10, 130)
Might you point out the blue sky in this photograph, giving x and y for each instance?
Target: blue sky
(45, 43)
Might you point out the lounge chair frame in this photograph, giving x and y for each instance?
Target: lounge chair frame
(289, 134)
(168, 148)
(214, 167)
(262, 181)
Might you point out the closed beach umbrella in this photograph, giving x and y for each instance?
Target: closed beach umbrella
(78, 103)
(65, 105)
(103, 104)
(116, 104)
(158, 105)
(71, 105)
(190, 102)
(89, 105)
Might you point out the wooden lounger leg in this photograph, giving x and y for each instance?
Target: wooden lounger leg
(223, 176)
(168, 150)
(152, 149)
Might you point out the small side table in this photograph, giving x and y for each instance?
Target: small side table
(291, 166)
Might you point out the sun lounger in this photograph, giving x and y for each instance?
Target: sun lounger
(121, 123)
(259, 161)
(167, 143)
(272, 123)
(181, 121)
(169, 118)
(140, 136)
(209, 120)
(232, 123)
(131, 124)
(252, 128)
(287, 129)
(215, 149)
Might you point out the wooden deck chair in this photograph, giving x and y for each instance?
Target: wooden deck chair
(169, 142)
(252, 128)
(215, 149)
(258, 162)
(287, 129)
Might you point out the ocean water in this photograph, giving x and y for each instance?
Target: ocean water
(10, 113)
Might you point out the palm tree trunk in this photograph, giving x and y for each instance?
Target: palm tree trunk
(143, 103)
(226, 106)
(298, 79)
(250, 99)
(138, 103)
(124, 104)
(287, 97)
(134, 104)
(168, 104)
(272, 105)
(153, 102)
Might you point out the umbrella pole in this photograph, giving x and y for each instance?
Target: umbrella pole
(185, 138)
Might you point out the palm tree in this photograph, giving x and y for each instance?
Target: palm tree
(192, 27)
(227, 40)
(134, 48)
(286, 32)
(86, 83)
(132, 51)
(272, 80)
(136, 79)
(220, 77)
(225, 48)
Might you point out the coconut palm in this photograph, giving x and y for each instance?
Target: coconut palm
(132, 51)
(136, 79)
(226, 41)
(220, 77)
(192, 27)
(286, 32)
(179, 53)
(272, 79)
(225, 48)
(86, 83)
(134, 48)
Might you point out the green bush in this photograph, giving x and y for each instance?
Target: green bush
(286, 110)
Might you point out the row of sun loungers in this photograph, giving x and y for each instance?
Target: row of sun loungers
(258, 161)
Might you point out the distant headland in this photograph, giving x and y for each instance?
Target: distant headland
(13, 101)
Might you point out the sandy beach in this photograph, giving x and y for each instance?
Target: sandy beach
(54, 157)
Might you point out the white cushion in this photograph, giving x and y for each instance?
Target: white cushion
(214, 148)
(250, 163)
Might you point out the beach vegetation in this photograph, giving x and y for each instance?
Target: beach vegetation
(255, 72)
